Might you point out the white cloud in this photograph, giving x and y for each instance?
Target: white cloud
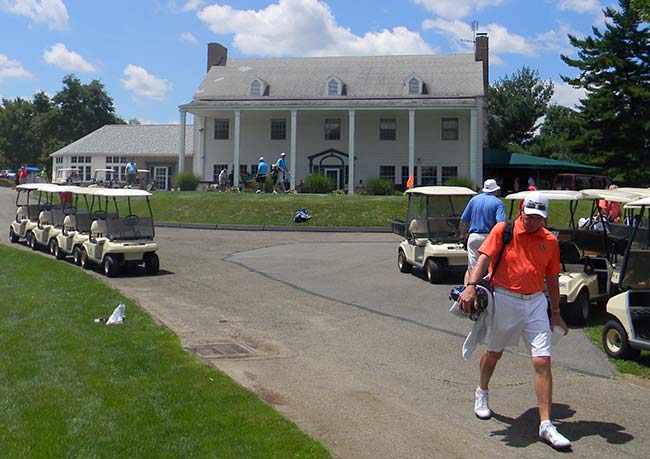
(305, 28)
(59, 56)
(567, 95)
(192, 5)
(454, 9)
(12, 69)
(144, 84)
(187, 37)
(580, 6)
(51, 12)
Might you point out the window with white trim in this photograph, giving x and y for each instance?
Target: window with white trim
(429, 175)
(216, 170)
(279, 129)
(222, 129)
(449, 129)
(448, 172)
(387, 173)
(118, 164)
(333, 129)
(405, 175)
(256, 88)
(82, 164)
(414, 86)
(387, 129)
(332, 87)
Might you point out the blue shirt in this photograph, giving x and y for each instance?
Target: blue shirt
(262, 168)
(282, 164)
(483, 211)
(131, 168)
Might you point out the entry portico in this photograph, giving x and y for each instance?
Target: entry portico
(376, 116)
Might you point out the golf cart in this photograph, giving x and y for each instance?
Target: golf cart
(144, 181)
(627, 331)
(107, 178)
(76, 225)
(67, 176)
(118, 237)
(26, 212)
(50, 218)
(432, 231)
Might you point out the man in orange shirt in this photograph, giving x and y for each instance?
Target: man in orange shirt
(520, 306)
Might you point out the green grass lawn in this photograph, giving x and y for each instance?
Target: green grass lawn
(72, 388)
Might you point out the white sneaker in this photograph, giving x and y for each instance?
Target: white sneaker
(481, 404)
(258, 191)
(549, 434)
(275, 192)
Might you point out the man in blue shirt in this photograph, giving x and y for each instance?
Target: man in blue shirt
(262, 169)
(131, 172)
(483, 211)
(282, 167)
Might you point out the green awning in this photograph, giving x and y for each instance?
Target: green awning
(505, 159)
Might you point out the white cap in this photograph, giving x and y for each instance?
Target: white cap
(490, 185)
(283, 154)
(535, 203)
(261, 158)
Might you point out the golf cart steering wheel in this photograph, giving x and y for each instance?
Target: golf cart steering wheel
(99, 215)
(131, 220)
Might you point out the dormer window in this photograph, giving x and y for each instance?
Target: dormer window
(334, 86)
(258, 88)
(414, 85)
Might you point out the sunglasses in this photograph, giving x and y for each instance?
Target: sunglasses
(535, 205)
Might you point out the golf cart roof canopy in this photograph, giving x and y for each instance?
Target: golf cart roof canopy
(28, 186)
(638, 203)
(441, 191)
(616, 195)
(54, 188)
(552, 195)
(114, 192)
(640, 191)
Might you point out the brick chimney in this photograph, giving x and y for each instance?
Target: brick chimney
(482, 54)
(217, 55)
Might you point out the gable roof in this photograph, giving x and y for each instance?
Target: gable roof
(445, 76)
(131, 140)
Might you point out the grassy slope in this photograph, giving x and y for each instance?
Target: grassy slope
(72, 388)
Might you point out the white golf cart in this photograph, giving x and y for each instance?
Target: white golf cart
(52, 199)
(26, 212)
(118, 237)
(107, 178)
(76, 225)
(627, 331)
(432, 231)
(67, 176)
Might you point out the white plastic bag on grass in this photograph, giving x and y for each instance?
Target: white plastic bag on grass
(118, 315)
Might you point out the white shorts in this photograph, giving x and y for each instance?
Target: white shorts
(516, 317)
(474, 241)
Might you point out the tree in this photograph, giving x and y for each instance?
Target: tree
(556, 139)
(18, 141)
(517, 102)
(642, 7)
(614, 69)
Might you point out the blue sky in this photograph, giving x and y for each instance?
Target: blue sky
(151, 54)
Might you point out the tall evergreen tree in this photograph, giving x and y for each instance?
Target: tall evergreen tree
(614, 69)
(517, 102)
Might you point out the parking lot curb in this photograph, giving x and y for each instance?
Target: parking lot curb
(324, 229)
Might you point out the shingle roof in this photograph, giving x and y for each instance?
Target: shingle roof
(131, 140)
(445, 76)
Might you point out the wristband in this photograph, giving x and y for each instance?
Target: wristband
(555, 310)
(474, 284)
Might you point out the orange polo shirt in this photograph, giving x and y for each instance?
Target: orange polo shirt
(526, 261)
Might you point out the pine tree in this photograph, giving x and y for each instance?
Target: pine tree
(614, 69)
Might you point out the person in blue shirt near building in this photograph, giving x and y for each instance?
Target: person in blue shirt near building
(131, 172)
(483, 211)
(262, 170)
(281, 165)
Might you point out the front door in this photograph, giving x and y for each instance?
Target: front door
(161, 177)
(334, 174)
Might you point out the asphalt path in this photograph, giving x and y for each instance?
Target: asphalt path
(364, 358)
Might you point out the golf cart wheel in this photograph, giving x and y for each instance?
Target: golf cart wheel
(76, 255)
(577, 312)
(616, 343)
(50, 246)
(31, 241)
(111, 265)
(403, 265)
(56, 250)
(151, 263)
(13, 237)
(435, 273)
(84, 262)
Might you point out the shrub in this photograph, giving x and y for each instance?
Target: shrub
(186, 181)
(460, 181)
(379, 186)
(317, 184)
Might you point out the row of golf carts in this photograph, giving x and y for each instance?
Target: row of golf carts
(108, 227)
(601, 260)
(107, 178)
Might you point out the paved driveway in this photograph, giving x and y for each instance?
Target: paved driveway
(366, 359)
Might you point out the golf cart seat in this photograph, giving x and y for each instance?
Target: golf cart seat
(69, 223)
(45, 218)
(418, 228)
(98, 229)
(21, 214)
(569, 253)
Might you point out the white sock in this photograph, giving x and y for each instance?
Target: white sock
(545, 423)
(481, 391)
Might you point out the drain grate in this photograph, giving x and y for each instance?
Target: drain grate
(222, 350)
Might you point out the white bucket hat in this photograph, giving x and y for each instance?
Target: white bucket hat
(490, 185)
(535, 203)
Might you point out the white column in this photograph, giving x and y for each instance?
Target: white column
(235, 174)
(198, 159)
(351, 118)
(473, 150)
(181, 146)
(292, 152)
(412, 144)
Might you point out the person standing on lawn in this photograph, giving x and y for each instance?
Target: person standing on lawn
(529, 261)
(483, 211)
(281, 165)
(262, 169)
